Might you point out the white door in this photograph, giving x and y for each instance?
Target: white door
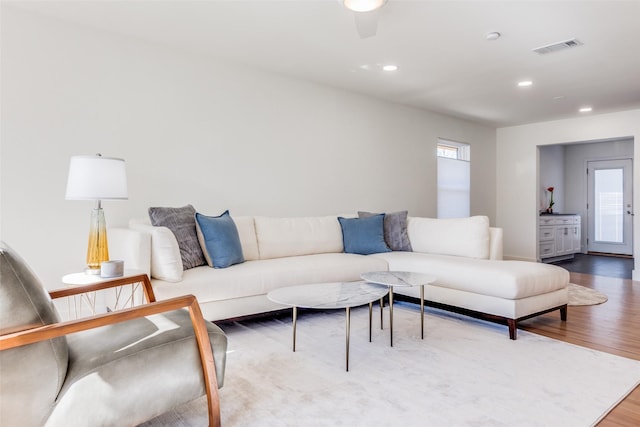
(610, 206)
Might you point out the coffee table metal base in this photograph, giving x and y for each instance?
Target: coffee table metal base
(391, 313)
(347, 328)
(323, 296)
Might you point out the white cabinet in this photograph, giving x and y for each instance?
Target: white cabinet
(558, 236)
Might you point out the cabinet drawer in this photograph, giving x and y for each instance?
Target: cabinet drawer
(565, 220)
(547, 233)
(546, 220)
(559, 220)
(547, 249)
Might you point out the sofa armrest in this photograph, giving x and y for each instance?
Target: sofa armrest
(131, 246)
(495, 243)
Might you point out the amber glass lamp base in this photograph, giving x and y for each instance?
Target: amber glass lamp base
(98, 249)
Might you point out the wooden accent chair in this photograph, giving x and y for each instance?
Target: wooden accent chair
(114, 369)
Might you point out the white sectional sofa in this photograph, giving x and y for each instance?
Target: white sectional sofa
(465, 255)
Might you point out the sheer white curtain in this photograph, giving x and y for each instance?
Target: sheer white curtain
(454, 183)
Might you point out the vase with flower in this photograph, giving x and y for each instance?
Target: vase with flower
(550, 208)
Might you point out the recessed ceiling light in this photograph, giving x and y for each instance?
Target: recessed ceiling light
(494, 35)
(389, 67)
(585, 109)
(525, 83)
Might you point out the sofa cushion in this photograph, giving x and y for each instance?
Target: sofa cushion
(247, 233)
(465, 237)
(219, 239)
(182, 223)
(259, 277)
(363, 236)
(395, 230)
(503, 279)
(282, 237)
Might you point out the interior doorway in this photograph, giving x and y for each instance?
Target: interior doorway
(564, 166)
(610, 207)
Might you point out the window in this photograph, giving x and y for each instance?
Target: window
(453, 150)
(609, 205)
(454, 179)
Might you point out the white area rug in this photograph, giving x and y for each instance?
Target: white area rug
(581, 295)
(464, 373)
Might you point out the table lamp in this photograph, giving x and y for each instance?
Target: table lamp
(97, 178)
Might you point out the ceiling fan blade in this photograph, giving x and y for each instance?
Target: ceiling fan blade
(366, 23)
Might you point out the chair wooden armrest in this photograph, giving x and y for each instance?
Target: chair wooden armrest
(30, 336)
(81, 289)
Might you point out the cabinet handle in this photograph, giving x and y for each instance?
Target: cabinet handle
(566, 231)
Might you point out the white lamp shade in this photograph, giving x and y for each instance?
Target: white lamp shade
(363, 5)
(96, 178)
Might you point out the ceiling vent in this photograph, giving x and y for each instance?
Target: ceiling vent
(554, 47)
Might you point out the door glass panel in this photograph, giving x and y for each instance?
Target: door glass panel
(609, 206)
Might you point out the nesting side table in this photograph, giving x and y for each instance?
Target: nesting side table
(400, 279)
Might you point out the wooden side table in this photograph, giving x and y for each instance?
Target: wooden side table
(127, 296)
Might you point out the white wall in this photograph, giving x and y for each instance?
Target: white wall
(517, 172)
(198, 130)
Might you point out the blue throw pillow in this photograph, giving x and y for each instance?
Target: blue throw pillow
(218, 236)
(363, 236)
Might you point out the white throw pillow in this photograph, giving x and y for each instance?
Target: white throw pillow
(467, 237)
(247, 233)
(166, 262)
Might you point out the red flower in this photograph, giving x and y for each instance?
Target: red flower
(550, 189)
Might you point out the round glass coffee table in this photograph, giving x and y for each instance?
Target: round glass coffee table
(400, 279)
(323, 296)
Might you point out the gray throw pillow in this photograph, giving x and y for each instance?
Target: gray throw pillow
(395, 230)
(182, 222)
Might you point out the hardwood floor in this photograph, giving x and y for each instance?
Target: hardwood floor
(599, 265)
(612, 327)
